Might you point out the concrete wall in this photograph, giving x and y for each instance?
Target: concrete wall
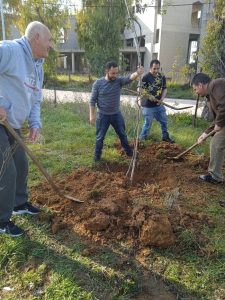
(173, 50)
(176, 28)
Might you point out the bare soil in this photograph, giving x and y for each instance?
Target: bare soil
(166, 198)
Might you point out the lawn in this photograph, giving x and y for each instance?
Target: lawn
(61, 263)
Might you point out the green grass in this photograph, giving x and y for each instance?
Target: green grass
(82, 83)
(41, 264)
(179, 91)
(79, 83)
(44, 266)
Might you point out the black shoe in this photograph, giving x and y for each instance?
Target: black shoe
(222, 203)
(11, 229)
(97, 158)
(168, 140)
(129, 154)
(26, 208)
(209, 178)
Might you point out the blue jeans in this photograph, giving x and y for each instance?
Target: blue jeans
(102, 124)
(151, 113)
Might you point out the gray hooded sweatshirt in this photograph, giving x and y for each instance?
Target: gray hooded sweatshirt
(21, 79)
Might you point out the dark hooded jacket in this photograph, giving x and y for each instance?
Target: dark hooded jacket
(216, 94)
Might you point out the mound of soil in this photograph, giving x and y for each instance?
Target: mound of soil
(164, 199)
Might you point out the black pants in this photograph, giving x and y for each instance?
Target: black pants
(13, 174)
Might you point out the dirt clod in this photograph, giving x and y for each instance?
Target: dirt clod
(157, 232)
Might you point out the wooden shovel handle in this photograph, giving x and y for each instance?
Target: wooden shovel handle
(193, 146)
(32, 156)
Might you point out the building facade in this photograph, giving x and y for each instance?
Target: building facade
(71, 57)
(172, 32)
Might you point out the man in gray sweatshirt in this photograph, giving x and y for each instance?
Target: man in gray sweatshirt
(21, 79)
(106, 95)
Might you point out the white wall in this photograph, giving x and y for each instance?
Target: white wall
(176, 28)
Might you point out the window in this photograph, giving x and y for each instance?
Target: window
(196, 14)
(63, 35)
(155, 55)
(129, 43)
(193, 48)
(141, 41)
(159, 7)
(157, 36)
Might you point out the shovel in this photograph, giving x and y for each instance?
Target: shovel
(38, 164)
(193, 146)
(161, 102)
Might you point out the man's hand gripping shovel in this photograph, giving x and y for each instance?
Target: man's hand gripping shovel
(193, 146)
(37, 163)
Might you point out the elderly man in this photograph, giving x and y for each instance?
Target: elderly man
(21, 79)
(215, 91)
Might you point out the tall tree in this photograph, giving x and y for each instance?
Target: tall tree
(52, 13)
(212, 53)
(100, 25)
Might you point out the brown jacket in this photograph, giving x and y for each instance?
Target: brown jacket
(216, 93)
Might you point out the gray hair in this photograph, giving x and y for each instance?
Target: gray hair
(33, 28)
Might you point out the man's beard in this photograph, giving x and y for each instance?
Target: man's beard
(111, 78)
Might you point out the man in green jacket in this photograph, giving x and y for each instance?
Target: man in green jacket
(215, 91)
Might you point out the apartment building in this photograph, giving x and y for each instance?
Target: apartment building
(172, 32)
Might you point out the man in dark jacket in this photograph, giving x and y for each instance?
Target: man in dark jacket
(154, 83)
(215, 91)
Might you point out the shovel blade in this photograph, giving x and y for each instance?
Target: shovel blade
(73, 199)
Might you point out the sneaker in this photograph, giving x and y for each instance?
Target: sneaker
(222, 203)
(97, 158)
(129, 153)
(209, 178)
(168, 140)
(26, 208)
(11, 229)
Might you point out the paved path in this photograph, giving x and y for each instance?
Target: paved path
(70, 96)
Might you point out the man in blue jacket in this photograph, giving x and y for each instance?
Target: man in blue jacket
(21, 79)
(106, 95)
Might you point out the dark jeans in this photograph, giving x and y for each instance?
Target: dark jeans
(102, 124)
(13, 175)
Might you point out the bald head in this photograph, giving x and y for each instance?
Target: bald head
(39, 38)
(33, 28)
